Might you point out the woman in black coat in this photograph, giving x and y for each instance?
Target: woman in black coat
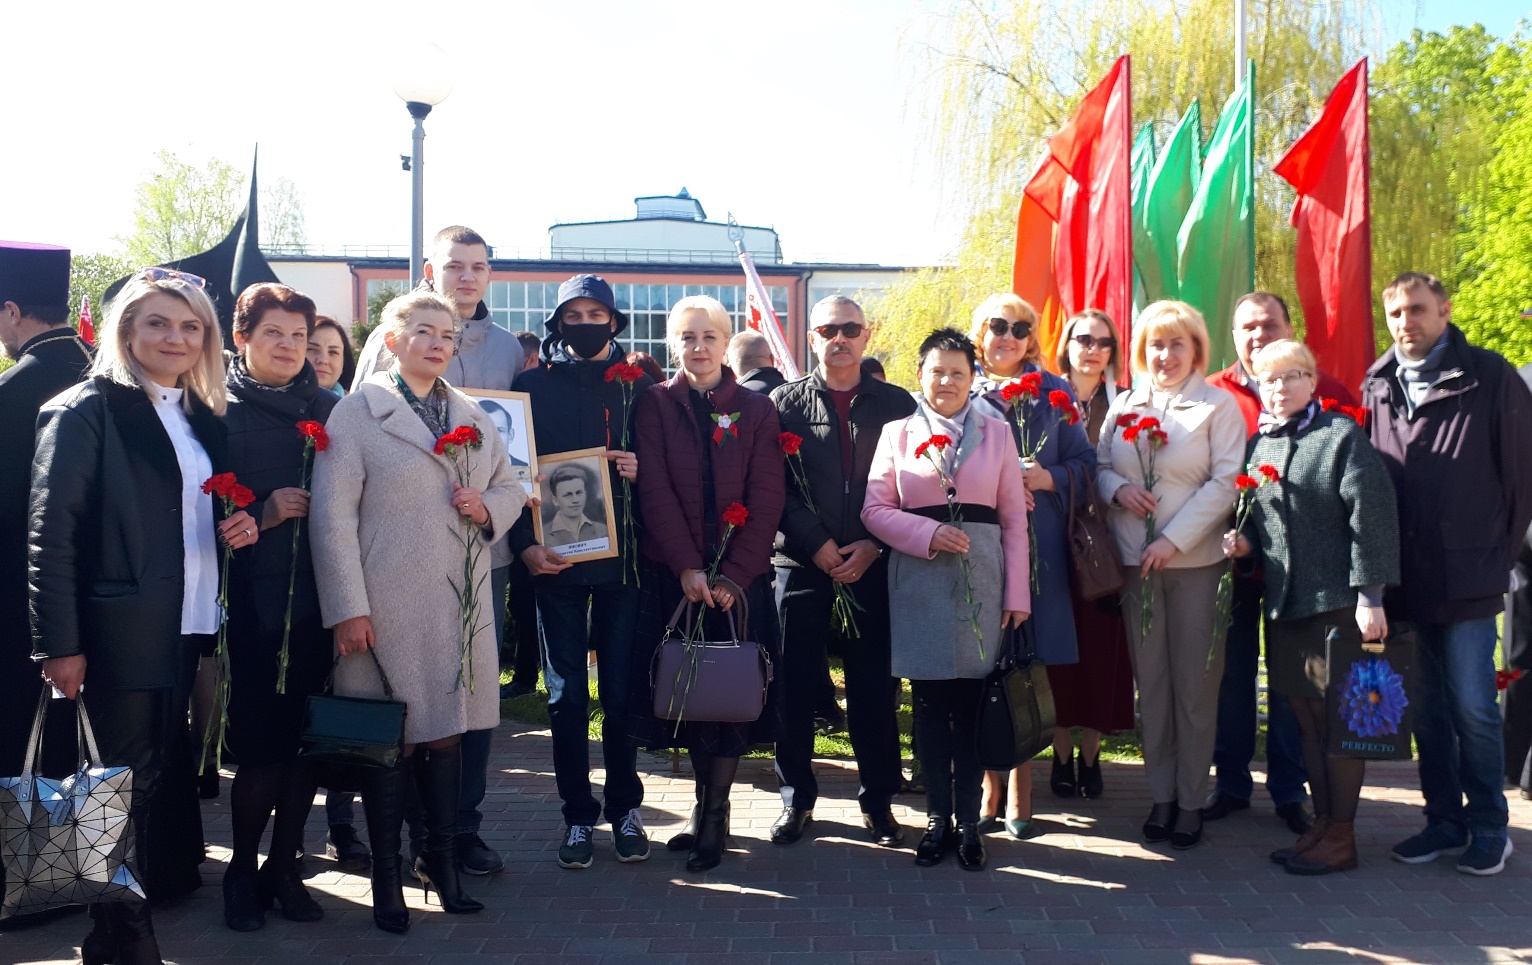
(123, 551)
(272, 388)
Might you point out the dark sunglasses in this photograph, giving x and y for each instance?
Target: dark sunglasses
(1088, 342)
(848, 329)
(998, 326)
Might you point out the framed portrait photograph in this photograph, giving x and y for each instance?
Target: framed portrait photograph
(511, 412)
(576, 519)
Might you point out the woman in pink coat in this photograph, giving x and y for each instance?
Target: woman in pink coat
(948, 625)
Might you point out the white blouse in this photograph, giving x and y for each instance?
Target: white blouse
(199, 602)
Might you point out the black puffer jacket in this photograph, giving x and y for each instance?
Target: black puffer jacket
(574, 407)
(267, 454)
(107, 565)
(837, 491)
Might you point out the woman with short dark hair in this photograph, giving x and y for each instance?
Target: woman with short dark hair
(273, 603)
(329, 351)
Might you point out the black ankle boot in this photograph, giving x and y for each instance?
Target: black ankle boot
(98, 948)
(284, 887)
(383, 802)
(133, 934)
(243, 908)
(687, 837)
(439, 779)
(713, 831)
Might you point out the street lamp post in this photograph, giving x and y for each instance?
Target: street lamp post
(424, 80)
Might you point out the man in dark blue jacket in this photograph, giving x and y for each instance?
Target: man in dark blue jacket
(839, 413)
(591, 604)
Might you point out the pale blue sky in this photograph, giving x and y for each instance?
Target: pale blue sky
(796, 114)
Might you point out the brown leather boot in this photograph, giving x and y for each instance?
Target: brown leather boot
(1336, 851)
(1305, 841)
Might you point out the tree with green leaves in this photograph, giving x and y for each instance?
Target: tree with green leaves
(89, 275)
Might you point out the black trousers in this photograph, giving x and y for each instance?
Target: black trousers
(522, 602)
(805, 597)
(946, 742)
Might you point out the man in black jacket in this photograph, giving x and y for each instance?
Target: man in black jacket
(839, 413)
(750, 358)
(35, 332)
(1453, 423)
(591, 604)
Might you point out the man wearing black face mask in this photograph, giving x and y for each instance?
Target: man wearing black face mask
(593, 604)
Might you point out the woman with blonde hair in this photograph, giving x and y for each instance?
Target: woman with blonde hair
(706, 444)
(1006, 341)
(391, 514)
(1169, 539)
(124, 549)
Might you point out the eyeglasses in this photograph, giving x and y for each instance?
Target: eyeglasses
(1287, 379)
(1088, 342)
(161, 274)
(848, 329)
(1019, 330)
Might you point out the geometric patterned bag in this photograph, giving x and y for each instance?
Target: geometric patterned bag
(67, 842)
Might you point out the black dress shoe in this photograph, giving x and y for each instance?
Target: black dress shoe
(1157, 827)
(970, 849)
(347, 849)
(884, 829)
(1295, 816)
(790, 824)
(474, 857)
(1222, 805)
(1186, 840)
(1062, 777)
(938, 840)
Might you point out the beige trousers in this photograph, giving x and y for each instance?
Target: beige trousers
(1177, 685)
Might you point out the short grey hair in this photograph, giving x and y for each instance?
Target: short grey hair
(830, 301)
(749, 349)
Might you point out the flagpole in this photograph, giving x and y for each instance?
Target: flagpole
(1240, 26)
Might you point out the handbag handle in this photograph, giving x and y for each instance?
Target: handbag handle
(1069, 470)
(388, 688)
(737, 620)
(85, 735)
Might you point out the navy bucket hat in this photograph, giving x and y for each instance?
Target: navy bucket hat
(586, 286)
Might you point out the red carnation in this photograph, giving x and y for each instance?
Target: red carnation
(920, 450)
(735, 515)
(1031, 383)
(1328, 405)
(790, 442)
(240, 495)
(1503, 678)
(314, 431)
(1072, 416)
(1243, 481)
(941, 442)
(219, 484)
(1130, 434)
(1060, 399)
(1158, 437)
(441, 444)
(1127, 420)
(1269, 471)
(1148, 422)
(623, 372)
(1357, 413)
(1010, 391)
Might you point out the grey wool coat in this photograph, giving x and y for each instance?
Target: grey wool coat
(387, 543)
(1330, 525)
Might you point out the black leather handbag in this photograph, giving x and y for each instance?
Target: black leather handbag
(1016, 715)
(348, 732)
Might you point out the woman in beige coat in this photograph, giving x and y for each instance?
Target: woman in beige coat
(389, 519)
(1191, 501)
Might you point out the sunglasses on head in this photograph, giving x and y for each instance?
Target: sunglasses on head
(161, 274)
(848, 329)
(1019, 330)
(1088, 342)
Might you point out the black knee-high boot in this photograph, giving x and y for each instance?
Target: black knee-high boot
(702, 766)
(438, 778)
(383, 802)
(707, 852)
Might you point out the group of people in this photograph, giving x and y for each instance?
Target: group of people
(918, 535)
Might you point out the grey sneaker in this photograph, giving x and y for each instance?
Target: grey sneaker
(1486, 854)
(629, 839)
(577, 850)
(1430, 844)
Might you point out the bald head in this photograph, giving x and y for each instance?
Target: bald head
(749, 350)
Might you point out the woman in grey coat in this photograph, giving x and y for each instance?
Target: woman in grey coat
(1327, 531)
(391, 512)
(940, 640)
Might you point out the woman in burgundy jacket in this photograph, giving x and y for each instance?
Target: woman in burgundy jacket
(705, 445)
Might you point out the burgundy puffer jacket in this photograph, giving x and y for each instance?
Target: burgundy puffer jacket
(748, 468)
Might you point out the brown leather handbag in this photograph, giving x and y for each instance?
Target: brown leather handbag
(1092, 550)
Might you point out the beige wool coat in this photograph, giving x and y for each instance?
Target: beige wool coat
(386, 543)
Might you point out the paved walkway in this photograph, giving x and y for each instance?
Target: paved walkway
(1085, 891)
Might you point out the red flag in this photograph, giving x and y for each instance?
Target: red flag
(87, 330)
(1077, 206)
(1329, 167)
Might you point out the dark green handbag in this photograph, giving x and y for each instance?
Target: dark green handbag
(350, 732)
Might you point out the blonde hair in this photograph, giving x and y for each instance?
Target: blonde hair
(993, 307)
(397, 313)
(1170, 318)
(716, 314)
(1284, 352)
(1088, 316)
(114, 357)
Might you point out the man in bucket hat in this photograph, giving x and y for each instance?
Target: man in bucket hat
(591, 604)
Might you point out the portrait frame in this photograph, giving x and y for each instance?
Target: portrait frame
(592, 465)
(521, 444)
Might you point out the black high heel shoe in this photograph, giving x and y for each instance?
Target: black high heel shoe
(1157, 827)
(287, 890)
(1090, 777)
(438, 777)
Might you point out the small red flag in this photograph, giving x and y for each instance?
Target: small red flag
(87, 330)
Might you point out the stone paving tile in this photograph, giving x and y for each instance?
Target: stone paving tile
(1085, 891)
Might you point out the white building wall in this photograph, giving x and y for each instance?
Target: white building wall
(866, 286)
(661, 235)
(328, 283)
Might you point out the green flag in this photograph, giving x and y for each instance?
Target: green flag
(1171, 189)
(1216, 244)
(1143, 166)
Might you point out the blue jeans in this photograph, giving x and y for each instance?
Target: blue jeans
(1235, 746)
(573, 619)
(1457, 726)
